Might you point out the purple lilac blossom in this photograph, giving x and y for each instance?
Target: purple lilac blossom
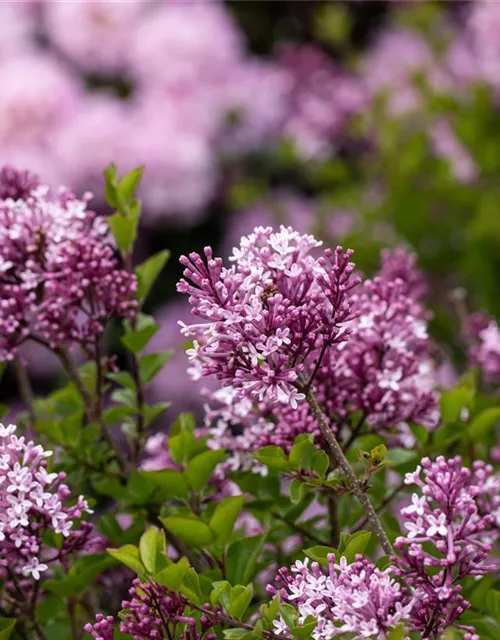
(93, 34)
(266, 318)
(322, 100)
(484, 352)
(354, 598)
(149, 608)
(382, 370)
(34, 501)
(444, 541)
(60, 278)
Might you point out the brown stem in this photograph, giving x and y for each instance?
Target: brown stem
(385, 502)
(336, 450)
(30, 606)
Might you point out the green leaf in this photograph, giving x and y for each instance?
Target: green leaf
(199, 470)
(242, 557)
(493, 604)
(123, 378)
(135, 341)
(149, 548)
(191, 530)
(128, 185)
(302, 452)
(151, 364)
(483, 423)
(319, 553)
(173, 575)
(225, 516)
(148, 271)
(351, 545)
(155, 487)
(130, 557)
(240, 599)
(124, 231)
(190, 587)
(303, 631)
(320, 462)
(184, 422)
(273, 457)
(398, 633)
(399, 457)
(6, 627)
(111, 185)
(182, 446)
(297, 491)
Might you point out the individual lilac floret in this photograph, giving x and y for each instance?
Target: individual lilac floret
(32, 502)
(353, 598)
(60, 280)
(150, 609)
(485, 349)
(444, 542)
(271, 315)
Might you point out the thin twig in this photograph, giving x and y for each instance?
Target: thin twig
(356, 431)
(139, 395)
(385, 502)
(298, 528)
(339, 457)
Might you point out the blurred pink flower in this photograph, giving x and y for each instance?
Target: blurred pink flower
(16, 24)
(94, 34)
(96, 135)
(391, 65)
(322, 99)
(37, 98)
(181, 44)
(448, 147)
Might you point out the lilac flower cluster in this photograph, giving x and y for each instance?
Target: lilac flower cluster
(151, 611)
(60, 281)
(373, 358)
(484, 334)
(444, 541)
(32, 504)
(355, 598)
(271, 315)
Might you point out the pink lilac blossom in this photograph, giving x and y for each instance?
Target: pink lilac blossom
(266, 319)
(60, 281)
(443, 542)
(448, 147)
(383, 372)
(93, 34)
(484, 352)
(183, 45)
(152, 607)
(321, 101)
(38, 95)
(34, 501)
(391, 65)
(481, 35)
(354, 598)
